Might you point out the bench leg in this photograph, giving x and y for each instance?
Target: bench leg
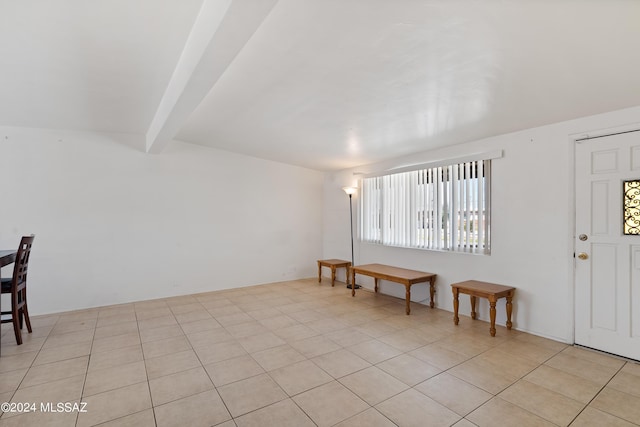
(353, 282)
(455, 305)
(408, 299)
(333, 275)
(509, 310)
(375, 284)
(473, 306)
(319, 272)
(432, 291)
(492, 315)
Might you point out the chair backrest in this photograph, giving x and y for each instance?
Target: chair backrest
(22, 260)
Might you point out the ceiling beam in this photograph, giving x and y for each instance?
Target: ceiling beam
(220, 31)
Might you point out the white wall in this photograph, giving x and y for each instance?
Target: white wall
(114, 224)
(532, 226)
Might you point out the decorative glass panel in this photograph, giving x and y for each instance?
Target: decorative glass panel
(631, 191)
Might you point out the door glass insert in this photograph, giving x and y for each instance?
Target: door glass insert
(631, 208)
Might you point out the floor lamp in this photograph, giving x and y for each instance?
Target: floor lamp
(350, 192)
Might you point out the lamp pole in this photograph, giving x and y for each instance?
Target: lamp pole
(350, 192)
(351, 223)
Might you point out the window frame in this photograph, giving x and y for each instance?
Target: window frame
(408, 211)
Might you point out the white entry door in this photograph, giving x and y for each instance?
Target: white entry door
(607, 279)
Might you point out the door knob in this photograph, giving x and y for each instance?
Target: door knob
(583, 255)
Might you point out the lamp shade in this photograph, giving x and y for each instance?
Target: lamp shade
(350, 190)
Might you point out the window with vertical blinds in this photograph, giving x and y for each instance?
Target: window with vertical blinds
(444, 207)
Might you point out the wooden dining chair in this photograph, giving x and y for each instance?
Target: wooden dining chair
(17, 287)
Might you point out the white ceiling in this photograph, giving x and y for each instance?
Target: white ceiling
(324, 84)
(89, 65)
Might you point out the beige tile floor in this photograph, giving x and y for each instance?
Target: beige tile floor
(301, 353)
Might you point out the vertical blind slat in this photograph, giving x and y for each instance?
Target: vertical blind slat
(455, 206)
(481, 201)
(467, 201)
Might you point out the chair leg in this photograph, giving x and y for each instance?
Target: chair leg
(20, 309)
(16, 324)
(25, 312)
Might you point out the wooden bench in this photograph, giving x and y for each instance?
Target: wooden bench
(490, 291)
(397, 275)
(333, 264)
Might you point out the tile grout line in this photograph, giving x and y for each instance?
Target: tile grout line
(146, 373)
(597, 394)
(86, 374)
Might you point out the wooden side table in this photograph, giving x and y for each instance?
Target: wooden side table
(333, 264)
(490, 291)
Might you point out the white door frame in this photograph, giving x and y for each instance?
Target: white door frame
(573, 140)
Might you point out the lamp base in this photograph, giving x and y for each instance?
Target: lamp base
(357, 287)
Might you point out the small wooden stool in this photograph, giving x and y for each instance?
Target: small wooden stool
(490, 291)
(333, 264)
